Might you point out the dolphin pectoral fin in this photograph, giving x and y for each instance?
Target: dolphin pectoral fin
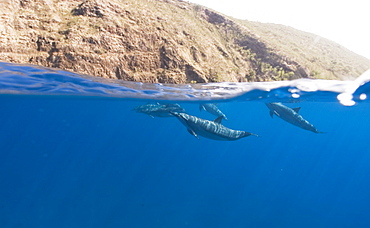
(193, 133)
(272, 114)
(201, 108)
(297, 109)
(218, 119)
(151, 116)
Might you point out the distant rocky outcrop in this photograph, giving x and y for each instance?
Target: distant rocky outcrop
(165, 41)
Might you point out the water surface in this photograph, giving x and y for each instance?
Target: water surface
(73, 153)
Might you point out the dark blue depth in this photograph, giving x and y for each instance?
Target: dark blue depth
(81, 162)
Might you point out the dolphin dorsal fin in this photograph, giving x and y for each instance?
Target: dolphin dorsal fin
(297, 109)
(218, 119)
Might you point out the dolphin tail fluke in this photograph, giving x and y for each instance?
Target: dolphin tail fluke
(225, 118)
(173, 113)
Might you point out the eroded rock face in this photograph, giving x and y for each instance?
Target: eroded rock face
(138, 40)
(90, 9)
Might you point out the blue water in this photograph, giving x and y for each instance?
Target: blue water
(74, 154)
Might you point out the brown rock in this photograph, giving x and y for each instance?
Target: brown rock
(158, 41)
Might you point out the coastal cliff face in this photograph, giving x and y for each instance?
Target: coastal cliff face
(164, 41)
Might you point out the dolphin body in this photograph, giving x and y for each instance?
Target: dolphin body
(213, 109)
(159, 110)
(209, 129)
(291, 116)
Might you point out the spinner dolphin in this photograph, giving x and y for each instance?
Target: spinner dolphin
(291, 116)
(210, 129)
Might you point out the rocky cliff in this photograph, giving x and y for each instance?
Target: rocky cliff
(166, 41)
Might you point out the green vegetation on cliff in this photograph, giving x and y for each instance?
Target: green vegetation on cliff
(165, 41)
(324, 58)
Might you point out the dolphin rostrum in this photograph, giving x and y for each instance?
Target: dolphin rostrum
(213, 109)
(209, 129)
(291, 116)
(159, 110)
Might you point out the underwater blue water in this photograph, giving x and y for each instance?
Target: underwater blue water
(73, 153)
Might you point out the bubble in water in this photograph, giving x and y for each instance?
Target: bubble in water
(363, 96)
